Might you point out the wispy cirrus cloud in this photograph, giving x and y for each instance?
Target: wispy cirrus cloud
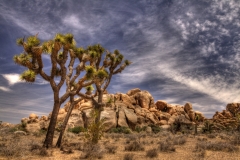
(5, 89)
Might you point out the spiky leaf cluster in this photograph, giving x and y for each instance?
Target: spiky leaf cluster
(127, 62)
(89, 88)
(79, 52)
(47, 47)
(22, 59)
(20, 41)
(101, 74)
(90, 72)
(66, 39)
(28, 76)
(33, 41)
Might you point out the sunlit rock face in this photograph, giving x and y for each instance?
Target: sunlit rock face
(135, 108)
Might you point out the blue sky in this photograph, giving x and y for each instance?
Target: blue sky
(182, 50)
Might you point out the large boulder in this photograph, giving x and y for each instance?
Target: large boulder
(127, 99)
(191, 114)
(199, 116)
(152, 117)
(33, 116)
(144, 99)
(110, 119)
(171, 109)
(180, 110)
(233, 108)
(161, 105)
(133, 91)
(122, 121)
(165, 127)
(44, 118)
(187, 107)
(61, 111)
(33, 127)
(87, 117)
(61, 117)
(131, 117)
(25, 120)
(86, 105)
(76, 119)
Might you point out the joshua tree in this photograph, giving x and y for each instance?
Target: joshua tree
(100, 76)
(58, 48)
(112, 64)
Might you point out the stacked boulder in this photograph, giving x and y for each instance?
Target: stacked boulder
(227, 119)
(135, 108)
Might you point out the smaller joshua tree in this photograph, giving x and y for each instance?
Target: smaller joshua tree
(112, 64)
(97, 74)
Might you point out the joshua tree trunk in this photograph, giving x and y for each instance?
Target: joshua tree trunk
(50, 133)
(58, 144)
(98, 108)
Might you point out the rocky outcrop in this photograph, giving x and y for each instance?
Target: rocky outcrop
(135, 108)
(228, 118)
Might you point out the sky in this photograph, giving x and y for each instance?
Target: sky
(182, 50)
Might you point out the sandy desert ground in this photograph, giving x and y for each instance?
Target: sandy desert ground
(119, 146)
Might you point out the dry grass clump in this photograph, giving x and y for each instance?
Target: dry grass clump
(216, 146)
(111, 149)
(166, 146)
(211, 135)
(14, 148)
(236, 140)
(179, 140)
(128, 156)
(134, 146)
(92, 151)
(152, 153)
(37, 149)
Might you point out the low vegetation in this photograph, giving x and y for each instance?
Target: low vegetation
(118, 145)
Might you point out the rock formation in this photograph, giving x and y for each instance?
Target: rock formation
(135, 108)
(227, 119)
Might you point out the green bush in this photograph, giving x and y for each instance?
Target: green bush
(140, 129)
(155, 128)
(124, 130)
(77, 129)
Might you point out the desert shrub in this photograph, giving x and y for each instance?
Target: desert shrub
(179, 140)
(208, 127)
(24, 125)
(77, 129)
(140, 129)
(216, 146)
(166, 146)
(43, 152)
(155, 128)
(92, 151)
(124, 130)
(111, 149)
(14, 149)
(134, 146)
(211, 135)
(201, 139)
(236, 140)
(35, 146)
(152, 153)
(200, 152)
(40, 133)
(95, 129)
(128, 156)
